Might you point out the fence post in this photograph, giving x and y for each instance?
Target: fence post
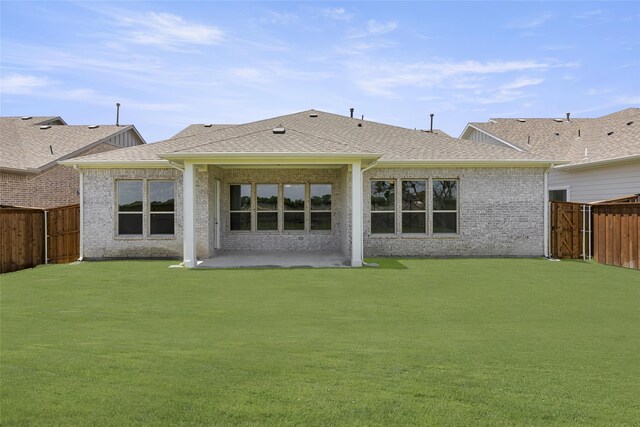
(46, 237)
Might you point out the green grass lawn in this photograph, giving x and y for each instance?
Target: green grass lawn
(455, 342)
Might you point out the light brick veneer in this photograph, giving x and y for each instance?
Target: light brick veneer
(285, 240)
(500, 214)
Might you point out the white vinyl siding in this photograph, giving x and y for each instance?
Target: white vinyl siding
(477, 136)
(594, 184)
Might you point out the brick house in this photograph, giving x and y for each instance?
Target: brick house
(30, 148)
(317, 182)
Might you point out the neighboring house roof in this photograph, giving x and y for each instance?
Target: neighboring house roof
(196, 129)
(579, 141)
(32, 144)
(315, 133)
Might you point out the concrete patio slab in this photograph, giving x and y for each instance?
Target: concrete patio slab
(246, 259)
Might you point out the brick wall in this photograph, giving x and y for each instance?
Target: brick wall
(57, 186)
(285, 240)
(100, 235)
(501, 213)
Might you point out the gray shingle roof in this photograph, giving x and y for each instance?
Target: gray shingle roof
(25, 146)
(612, 136)
(319, 132)
(196, 129)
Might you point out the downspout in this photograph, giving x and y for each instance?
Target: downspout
(546, 213)
(81, 212)
(362, 222)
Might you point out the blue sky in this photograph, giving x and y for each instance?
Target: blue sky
(174, 63)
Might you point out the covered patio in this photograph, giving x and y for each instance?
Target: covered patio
(255, 259)
(279, 248)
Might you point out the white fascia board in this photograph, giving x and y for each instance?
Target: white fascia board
(120, 164)
(515, 147)
(526, 163)
(466, 128)
(268, 158)
(599, 163)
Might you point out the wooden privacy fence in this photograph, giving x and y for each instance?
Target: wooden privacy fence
(35, 236)
(22, 243)
(63, 229)
(608, 231)
(616, 234)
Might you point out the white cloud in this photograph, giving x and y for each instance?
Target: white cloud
(168, 31)
(534, 22)
(521, 82)
(589, 14)
(21, 84)
(279, 18)
(375, 27)
(623, 100)
(595, 91)
(380, 78)
(337, 13)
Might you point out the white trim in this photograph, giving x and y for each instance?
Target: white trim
(217, 219)
(527, 163)
(469, 125)
(189, 230)
(81, 215)
(356, 216)
(120, 164)
(598, 163)
(546, 216)
(288, 160)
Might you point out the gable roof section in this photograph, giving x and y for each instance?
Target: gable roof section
(315, 133)
(32, 145)
(579, 141)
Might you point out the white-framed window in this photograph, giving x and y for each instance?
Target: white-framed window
(559, 194)
(240, 207)
(383, 207)
(267, 207)
(304, 207)
(161, 207)
(321, 212)
(445, 206)
(414, 206)
(293, 205)
(129, 199)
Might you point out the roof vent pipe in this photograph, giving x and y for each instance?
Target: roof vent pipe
(351, 110)
(117, 114)
(431, 127)
(568, 117)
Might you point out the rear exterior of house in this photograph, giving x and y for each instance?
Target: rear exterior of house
(312, 182)
(30, 148)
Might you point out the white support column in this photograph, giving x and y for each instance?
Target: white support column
(189, 215)
(356, 215)
(546, 216)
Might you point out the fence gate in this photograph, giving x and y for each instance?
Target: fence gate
(63, 234)
(567, 224)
